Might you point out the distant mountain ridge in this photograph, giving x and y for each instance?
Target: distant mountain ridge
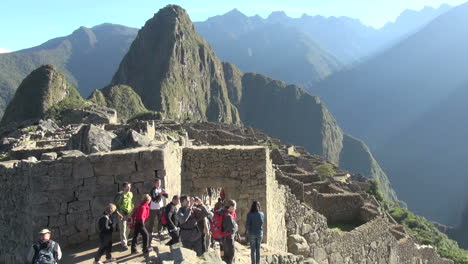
(88, 58)
(384, 100)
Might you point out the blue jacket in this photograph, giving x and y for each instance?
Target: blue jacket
(254, 224)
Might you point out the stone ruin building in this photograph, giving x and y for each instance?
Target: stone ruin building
(62, 178)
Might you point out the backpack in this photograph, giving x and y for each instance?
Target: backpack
(45, 255)
(163, 219)
(97, 225)
(216, 226)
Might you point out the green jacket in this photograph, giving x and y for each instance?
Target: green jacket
(124, 203)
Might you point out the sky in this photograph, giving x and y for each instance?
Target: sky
(28, 23)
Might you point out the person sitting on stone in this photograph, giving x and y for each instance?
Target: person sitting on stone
(188, 217)
(156, 207)
(124, 202)
(105, 228)
(140, 215)
(45, 250)
(172, 225)
(230, 228)
(254, 228)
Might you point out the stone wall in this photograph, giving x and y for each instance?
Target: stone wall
(246, 175)
(337, 208)
(67, 195)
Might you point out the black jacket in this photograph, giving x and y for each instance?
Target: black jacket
(105, 225)
(156, 197)
(171, 212)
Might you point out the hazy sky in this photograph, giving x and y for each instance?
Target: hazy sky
(27, 23)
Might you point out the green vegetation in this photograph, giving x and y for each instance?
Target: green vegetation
(122, 98)
(344, 227)
(426, 233)
(375, 189)
(4, 157)
(72, 101)
(421, 229)
(325, 171)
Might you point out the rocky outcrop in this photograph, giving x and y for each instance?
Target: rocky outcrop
(43, 92)
(92, 114)
(91, 139)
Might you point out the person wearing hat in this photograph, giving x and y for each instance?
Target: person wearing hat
(45, 250)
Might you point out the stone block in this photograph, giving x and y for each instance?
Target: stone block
(57, 221)
(49, 156)
(78, 206)
(105, 180)
(297, 245)
(77, 218)
(47, 209)
(82, 168)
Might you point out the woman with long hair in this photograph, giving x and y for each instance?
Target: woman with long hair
(254, 228)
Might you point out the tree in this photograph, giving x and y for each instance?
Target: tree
(325, 171)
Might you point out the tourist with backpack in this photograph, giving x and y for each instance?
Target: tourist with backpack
(188, 217)
(105, 229)
(139, 216)
(172, 226)
(254, 228)
(124, 202)
(44, 251)
(224, 229)
(156, 208)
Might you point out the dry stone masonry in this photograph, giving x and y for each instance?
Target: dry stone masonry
(66, 190)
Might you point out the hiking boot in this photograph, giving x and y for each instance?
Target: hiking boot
(110, 260)
(135, 251)
(98, 262)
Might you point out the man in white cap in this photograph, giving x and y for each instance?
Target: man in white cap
(45, 250)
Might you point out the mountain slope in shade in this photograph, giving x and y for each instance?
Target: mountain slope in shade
(175, 72)
(430, 155)
(382, 98)
(41, 90)
(277, 50)
(88, 58)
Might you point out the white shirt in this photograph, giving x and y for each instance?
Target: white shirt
(160, 204)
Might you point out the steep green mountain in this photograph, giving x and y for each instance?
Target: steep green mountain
(383, 99)
(88, 58)
(121, 98)
(43, 92)
(175, 72)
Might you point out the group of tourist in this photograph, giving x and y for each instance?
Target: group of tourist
(194, 224)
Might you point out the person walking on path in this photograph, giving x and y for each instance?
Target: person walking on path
(254, 229)
(172, 225)
(45, 250)
(124, 203)
(139, 216)
(105, 228)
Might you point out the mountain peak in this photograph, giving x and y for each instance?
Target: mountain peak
(277, 16)
(235, 13)
(83, 36)
(175, 71)
(39, 91)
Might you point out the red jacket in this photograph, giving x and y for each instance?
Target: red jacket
(141, 213)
